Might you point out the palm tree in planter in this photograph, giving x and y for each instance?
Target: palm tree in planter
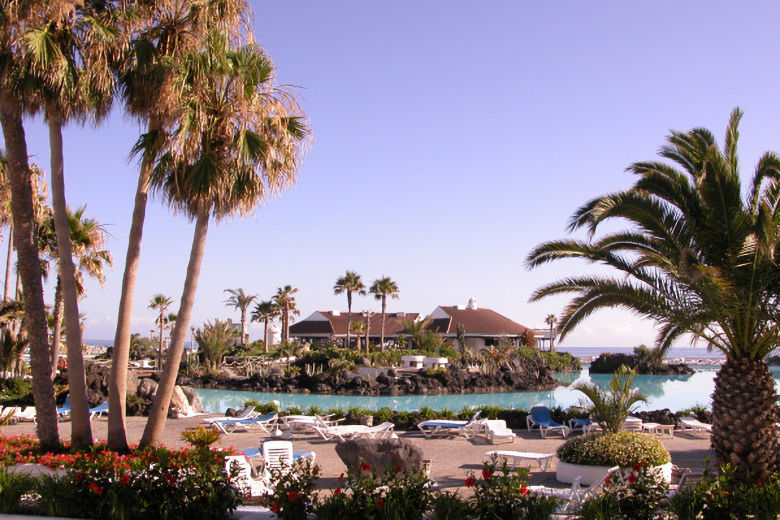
(550, 320)
(382, 288)
(610, 407)
(241, 301)
(266, 311)
(699, 259)
(238, 142)
(349, 283)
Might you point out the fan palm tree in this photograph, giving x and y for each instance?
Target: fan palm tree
(699, 259)
(238, 142)
(382, 288)
(550, 320)
(267, 312)
(284, 299)
(160, 303)
(349, 283)
(161, 32)
(239, 300)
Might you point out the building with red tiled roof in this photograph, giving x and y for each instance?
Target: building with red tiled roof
(329, 326)
(482, 327)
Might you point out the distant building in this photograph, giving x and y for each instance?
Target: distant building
(322, 327)
(483, 328)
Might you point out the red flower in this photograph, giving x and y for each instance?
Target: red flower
(95, 488)
(275, 508)
(341, 477)
(79, 475)
(365, 466)
(524, 490)
(125, 479)
(608, 480)
(759, 485)
(631, 478)
(380, 503)
(293, 495)
(337, 492)
(486, 474)
(636, 466)
(399, 469)
(469, 482)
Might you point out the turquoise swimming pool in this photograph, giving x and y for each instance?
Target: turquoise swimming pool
(673, 392)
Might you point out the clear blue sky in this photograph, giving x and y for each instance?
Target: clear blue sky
(449, 139)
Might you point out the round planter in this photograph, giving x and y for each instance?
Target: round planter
(567, 472)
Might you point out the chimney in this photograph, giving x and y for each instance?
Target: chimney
(337, 313)
(472, 304)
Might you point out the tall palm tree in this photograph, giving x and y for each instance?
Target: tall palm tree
(161, 31)
(699, 259)
(381, 289)
(267, 312)
(14, 99)
(239, 300)
(160, 303)
(349, 283)
(550, 320)
(238, 141)
(87, 240)
(284, 299)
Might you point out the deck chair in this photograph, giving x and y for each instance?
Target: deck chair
(247, 483)
(495, 430)
(63, 411)
(278, 456)
(229, 424)
(691, 424)
(386, 430)
(438, 427)
(341, 432)
(575, 495)
(539, 416)
(265, 423)
(99, 410)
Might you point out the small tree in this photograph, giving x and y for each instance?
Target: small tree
(215, 339)
(612, 405)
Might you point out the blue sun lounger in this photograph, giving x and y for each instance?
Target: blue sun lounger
(98, 410)
(64, 410)
(539, 417)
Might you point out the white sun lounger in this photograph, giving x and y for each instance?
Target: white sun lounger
(342, 432)
(544, 460)
(689, 424)
(575, 495)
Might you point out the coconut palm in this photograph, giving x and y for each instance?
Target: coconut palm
(239, 300)
(381, 289)
(699, 260)
(160, 303)
(267, 312)
(284, 299)
(160, 31)
(349, 283)
(238, 141)
(550, 320)
(611, 406)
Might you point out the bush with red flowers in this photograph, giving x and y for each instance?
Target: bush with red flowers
(368, 493)
(293, 494)
(502, 493)
(147, 483)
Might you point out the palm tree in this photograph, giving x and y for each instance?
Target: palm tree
(284, 299)
(237, 142)
(358, 327)
(214, 340)
(612, 406)
(161, 32)
(87, 240)
(367, 328)
(381, 289)
(160, 304)
(239, 300)
(14, 99)
(699, 260)
(550, 320)
(349, 283)
(267, 311)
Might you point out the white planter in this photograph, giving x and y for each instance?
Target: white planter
(567, 472)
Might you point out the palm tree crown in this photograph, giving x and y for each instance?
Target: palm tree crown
(381, 289)
(266, 311)
(241, 301)
(284, 299)
(349, 283)
(699, 259)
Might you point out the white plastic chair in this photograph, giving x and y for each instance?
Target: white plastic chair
(248, 484)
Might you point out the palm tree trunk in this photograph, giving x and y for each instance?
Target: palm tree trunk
(243, 327)
(117, 388)
(160, 347)
(81, 429)
(368, 329)
(286, 325)
(384, 313)
(265, 337)
(57, 329)
(29, 264)
(349, 318)
(162, 399)
(8, 264)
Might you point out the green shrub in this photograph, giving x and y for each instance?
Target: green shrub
(383, 415)
(614, 449)
(201, 437)
(263, 408)
(490, 411)
(449, 506)
(502, 493)
(12, 488)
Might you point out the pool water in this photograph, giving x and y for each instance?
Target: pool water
(673, 392)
